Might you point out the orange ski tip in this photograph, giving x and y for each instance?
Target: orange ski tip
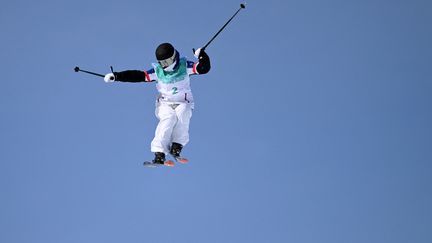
(169, 163)
(183, 160)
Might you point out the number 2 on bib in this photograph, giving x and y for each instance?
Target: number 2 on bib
(174, 90)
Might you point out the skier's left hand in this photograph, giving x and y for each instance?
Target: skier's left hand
(197, 52)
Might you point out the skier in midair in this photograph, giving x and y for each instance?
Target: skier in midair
(174, 104)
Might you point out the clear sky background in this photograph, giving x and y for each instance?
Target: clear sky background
(314, 124)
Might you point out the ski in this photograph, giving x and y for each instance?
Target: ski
(181, 160)
(169, 163)
(151, 164)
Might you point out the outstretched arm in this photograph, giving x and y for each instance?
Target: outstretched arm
(132, 76)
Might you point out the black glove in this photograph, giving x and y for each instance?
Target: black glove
(203, 61)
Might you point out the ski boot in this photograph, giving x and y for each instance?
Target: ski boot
(175, 151)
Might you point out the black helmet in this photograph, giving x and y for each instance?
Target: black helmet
(164, 51)
(166, 54)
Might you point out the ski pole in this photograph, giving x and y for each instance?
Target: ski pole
(77, 69)
(243, 5)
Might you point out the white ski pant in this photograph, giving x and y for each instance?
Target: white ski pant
(173, 125)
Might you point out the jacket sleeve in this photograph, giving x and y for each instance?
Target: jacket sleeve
(133, 76)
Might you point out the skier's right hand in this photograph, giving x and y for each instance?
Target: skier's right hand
(109, 78)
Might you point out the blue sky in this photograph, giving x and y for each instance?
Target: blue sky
(314, 124)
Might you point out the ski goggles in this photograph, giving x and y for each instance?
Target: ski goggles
(169, 61)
